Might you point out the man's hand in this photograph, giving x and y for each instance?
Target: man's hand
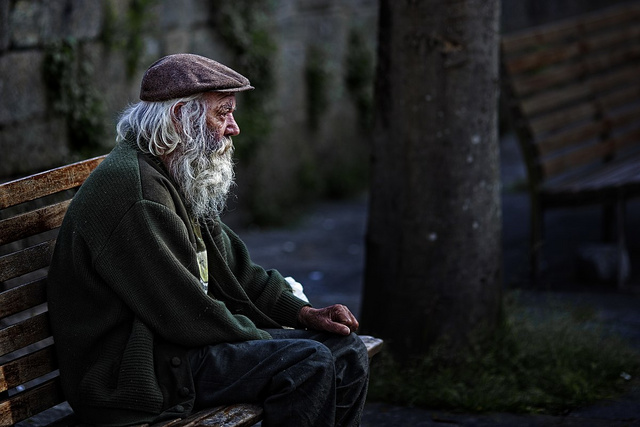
(335, 318)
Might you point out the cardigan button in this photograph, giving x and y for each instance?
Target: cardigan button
(179, 408)
(175, 361)
(183, 391)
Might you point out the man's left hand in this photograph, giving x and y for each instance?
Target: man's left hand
(337, 319)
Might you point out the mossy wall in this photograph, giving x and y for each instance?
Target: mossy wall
(68, 68)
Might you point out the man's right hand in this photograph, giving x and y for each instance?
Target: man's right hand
(336, 318)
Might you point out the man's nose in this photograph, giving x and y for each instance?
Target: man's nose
(232, 127)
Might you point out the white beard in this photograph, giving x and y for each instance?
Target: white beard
(203, 169)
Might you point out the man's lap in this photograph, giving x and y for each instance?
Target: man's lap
(244, 371)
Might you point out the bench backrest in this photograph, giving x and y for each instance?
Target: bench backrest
(573, 89)
(31, 210)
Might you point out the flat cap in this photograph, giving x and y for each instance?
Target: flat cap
(185, 74)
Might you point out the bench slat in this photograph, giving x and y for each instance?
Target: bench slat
(26, 260)
(581, 91)
(23, 297)
(24, 333)
(586, 132)
(239, 415)
(588, 154)
(552, 33)
(27, 368)
(525, 84)
(374, 345)
(577, 46)
(613, 175)
(601, 107)
(32, 223)
(31, 402)
(50, 182)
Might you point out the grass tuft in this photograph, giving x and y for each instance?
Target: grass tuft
(547, 360)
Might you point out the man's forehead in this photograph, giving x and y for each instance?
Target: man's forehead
(221, 97)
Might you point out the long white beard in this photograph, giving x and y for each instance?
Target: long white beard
(203, 170)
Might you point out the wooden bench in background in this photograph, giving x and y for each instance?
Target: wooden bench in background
(573, 90)
(31, 210)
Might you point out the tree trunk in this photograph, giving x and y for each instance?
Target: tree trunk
(433, 263)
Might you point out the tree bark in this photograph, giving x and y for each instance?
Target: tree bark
(433, 263)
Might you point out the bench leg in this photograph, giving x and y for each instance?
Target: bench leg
(537, 233)
(622, 244)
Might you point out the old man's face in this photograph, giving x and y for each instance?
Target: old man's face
(202, 163)
(220, 114)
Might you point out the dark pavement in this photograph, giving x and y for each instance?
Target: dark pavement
(325, 252)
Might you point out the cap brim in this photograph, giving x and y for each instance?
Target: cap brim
(235, 89)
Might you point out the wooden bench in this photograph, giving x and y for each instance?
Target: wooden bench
(573, 91)
(31, 210)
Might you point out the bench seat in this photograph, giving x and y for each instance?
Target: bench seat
(573, 94)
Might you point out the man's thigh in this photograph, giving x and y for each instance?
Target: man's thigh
(247, 371)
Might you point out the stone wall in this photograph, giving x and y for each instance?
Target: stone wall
(68, 67)
(98, 50)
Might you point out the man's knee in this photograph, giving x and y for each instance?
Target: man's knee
(352, 353)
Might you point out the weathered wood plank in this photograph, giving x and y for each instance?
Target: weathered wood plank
(585, 155)
(552, 33)
(239, 415)
(23, 297)
(374, 345)
(613, 175)
(26, 260)
(581, 91)
(24, 333)
(526, 84)
(30, 402)
(27, 368)
(43, 184)
(559, 119)
(578, 47)
(599, 108)
(32, 223)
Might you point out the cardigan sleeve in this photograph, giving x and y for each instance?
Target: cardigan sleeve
(150, 263)
(267, 289)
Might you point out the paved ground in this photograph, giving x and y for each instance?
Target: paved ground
(325, 253)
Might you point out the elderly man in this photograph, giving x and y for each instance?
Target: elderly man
(155, 304)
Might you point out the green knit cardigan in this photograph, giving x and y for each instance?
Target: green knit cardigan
(125, 299)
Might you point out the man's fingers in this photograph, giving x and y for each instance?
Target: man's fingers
(347, 318)
(336, 318)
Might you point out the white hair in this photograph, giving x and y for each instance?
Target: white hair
(198, 160)
(153, 123)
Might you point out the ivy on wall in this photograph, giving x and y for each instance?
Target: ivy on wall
(70, 92)
(317, 78)
(359, 75)
(243, 25)
(128, 35)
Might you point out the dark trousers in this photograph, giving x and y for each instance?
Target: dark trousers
(302, 378)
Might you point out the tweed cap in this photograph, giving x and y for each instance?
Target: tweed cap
(185, 74)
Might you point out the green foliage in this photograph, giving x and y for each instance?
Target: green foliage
(128, 35)
(359, 65)
(317, 80)
(539, 362)
(70, 91)
(243, 24)
(137, 16)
